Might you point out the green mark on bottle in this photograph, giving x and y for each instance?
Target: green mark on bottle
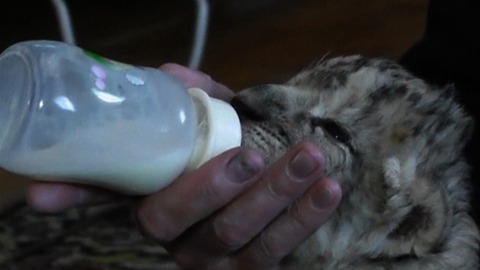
(98, 58)
(107, 63)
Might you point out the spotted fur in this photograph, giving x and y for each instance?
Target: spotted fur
(395, 145)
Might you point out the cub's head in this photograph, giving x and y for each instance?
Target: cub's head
(392, 141)
(361, 112)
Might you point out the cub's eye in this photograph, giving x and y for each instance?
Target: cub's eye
(332, 128)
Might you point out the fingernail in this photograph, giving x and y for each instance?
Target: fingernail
(302, 165)
(323, 199)
(242, 167)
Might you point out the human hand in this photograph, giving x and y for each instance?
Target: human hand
(231, 214)
(54, 197)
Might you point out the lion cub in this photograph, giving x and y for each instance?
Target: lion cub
(395, 145)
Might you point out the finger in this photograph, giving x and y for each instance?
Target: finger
(198, 194)
(291, 229)
(195, 78)
(56, 197)
(250, 213)
(287, 180)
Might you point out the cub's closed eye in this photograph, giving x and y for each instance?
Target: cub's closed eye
(332, 128)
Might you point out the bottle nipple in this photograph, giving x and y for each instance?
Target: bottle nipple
(218, 128)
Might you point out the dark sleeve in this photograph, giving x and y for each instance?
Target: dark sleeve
(449, 53)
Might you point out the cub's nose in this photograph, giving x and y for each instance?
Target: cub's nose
(256, 103)
(246, 110)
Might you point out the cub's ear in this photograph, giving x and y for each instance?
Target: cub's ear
(446, 129)
(467, 131)
(451, 124)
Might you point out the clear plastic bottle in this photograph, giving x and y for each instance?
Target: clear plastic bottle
(69, 115)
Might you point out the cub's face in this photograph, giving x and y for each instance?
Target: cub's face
(394, 144)
(361, 112)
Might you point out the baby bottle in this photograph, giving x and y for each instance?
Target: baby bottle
(67, 114)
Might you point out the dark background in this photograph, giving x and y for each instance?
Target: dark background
(249, 40)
